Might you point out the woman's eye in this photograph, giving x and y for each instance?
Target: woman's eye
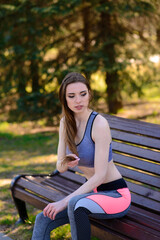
(71, 96)
(84, 94)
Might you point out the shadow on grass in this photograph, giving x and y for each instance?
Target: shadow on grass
(27, 154)
(30, 142)
(148, 115)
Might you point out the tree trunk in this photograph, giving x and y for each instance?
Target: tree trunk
(21, 88)
(113, 92)
(86, 31)
(35, 76)
(108, 36)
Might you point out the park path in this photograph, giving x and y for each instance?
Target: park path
(4, 237)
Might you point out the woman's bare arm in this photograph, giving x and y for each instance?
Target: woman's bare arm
(63, 165)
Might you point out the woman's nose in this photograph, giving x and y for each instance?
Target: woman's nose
(77, 99)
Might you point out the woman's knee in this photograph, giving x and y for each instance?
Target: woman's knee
(72, 203)
(39, 217)
(41, 220)
(76, 202)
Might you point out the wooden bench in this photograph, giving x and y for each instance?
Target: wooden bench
(136, 152)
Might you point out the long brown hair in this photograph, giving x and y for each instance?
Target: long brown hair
(69, 120)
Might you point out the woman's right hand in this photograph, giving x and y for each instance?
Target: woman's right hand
(73, 163)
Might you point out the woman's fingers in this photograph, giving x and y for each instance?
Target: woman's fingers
(73, 155)
(48, 210)
(73, 163)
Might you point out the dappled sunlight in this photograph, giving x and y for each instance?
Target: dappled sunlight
(5, 181)
(98, 81)
(19, 231)
(26, 127)
(28, 165)
(142, 110)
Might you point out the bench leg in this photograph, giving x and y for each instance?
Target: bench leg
(21, 207)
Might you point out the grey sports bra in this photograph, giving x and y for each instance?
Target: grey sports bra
(86, 148)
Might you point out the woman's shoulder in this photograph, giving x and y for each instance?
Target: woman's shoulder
(101, 128)
(100, 121)
(62, 120)
(62, 124)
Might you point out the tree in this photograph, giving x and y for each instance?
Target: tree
(42, 41)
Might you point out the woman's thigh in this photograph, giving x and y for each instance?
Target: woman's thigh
(106, 204)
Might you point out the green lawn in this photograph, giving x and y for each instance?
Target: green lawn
(23, 153)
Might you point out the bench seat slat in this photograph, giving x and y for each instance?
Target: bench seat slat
(61, 188)
(68, 178)
(128, 227)
(137, 163)
(147, 230)
(144, 218)
(28, 197)
(38, 189)
(135, 139)
(64, 185)
(36, 179)
(57, 182)
(145, 223)
(56, 195)
(100, 232)
(143, 213)
(136, 151)
(58, 179)
(74, 177)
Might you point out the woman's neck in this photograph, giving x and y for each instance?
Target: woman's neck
(83, 116)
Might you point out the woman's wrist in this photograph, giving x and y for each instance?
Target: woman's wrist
(65, 201)
(62, 167)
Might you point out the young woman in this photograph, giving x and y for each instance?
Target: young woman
(84, 135)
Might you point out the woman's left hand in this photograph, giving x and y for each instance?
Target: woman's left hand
(53, 208)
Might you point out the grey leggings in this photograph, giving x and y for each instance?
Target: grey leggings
(102, 205)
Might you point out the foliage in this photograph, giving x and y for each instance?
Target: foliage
(41, 41)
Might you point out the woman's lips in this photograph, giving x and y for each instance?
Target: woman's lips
(79, 107)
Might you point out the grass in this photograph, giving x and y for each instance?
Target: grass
(22, 153)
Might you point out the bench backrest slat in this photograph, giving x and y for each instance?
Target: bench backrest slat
(145, 202)
(139, 177)
(136, 151)
(136, 163)
(133, 126)
(144, 191)
(149, 142)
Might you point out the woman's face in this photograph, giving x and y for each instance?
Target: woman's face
(77, 96)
